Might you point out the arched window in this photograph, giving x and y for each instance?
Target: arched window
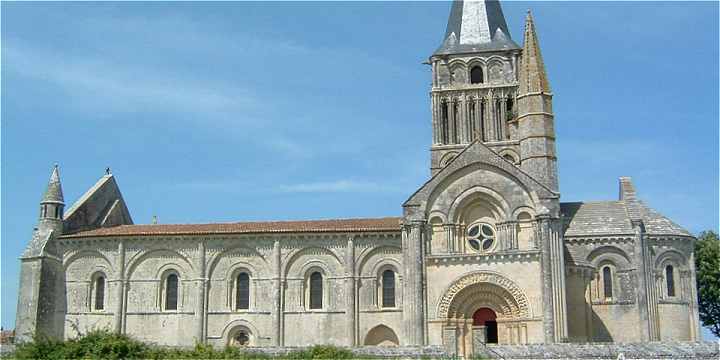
(388, 289)
(99, 293)
(670, 279)
(607, 282)
(476, 75)
(171, 292)
(316, 290)
(242, 291)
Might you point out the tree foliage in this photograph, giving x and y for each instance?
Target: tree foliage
(707, 265)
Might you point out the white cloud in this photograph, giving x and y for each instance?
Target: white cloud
(94, 82)
(339, 186)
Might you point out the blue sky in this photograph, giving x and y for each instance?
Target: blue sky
(210, 112)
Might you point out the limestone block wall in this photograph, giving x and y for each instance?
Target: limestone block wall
(135, 272)
(598, 316)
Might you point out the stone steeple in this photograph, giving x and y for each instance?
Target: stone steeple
(54, 193)
(475, 26)
(533, 77)
(536, 121)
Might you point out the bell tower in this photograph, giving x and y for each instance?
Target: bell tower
(474, 84)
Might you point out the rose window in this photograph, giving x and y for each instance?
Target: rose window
(481, 237)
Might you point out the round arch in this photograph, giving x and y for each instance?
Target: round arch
(499, 205)
(381, 335)
(483, 289)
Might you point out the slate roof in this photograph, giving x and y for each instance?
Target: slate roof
(475, 26)
(388, 224)
(612, 218)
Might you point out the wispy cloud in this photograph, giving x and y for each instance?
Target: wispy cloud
(103, 82)
(339, 186)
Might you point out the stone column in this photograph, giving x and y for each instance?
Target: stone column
(350, 292)
(118, 318)
(437, 119)
(490, 119)
(450, 237)
(278, 294)
(461, 116)
(553, 279)
(502, 121)
(452, 138)
(450, 339)
(695, 330)
(588, 276)
(646, 296)
(200, 305)
(413, 311)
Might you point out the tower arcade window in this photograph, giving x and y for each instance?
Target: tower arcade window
(316, 290)
(388, 289)
(607, 282)
(242, 291)
(670, 280)
(476, 75)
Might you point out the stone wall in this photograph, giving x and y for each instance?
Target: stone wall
(653, 350)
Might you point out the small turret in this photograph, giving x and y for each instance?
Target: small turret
(52, 204)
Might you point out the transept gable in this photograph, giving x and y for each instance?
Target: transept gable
(101, 206)
(475, 156)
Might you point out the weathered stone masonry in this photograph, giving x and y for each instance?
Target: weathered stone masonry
(484, 251)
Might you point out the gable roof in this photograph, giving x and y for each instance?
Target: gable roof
(387, 224)
(102, 205)
(477, 152)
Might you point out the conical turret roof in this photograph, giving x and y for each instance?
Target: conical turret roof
(533, 78)
(474, 26)
(54, 192)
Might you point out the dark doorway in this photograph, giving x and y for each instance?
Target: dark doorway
(485, 316)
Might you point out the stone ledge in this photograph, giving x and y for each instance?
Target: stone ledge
(651, 350)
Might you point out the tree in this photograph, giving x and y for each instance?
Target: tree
(707, 265)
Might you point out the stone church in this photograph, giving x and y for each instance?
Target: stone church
(484, 251)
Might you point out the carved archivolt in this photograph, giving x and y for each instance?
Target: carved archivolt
(497, 290)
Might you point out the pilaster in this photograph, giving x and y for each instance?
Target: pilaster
(413, 309)
(118, 318)
(350, 292)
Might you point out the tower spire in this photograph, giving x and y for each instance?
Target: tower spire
(53, 193)
(476, 26)
(53, 203)
(533, 77)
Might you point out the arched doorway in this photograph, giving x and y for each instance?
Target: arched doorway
(381, 335)
(482, 307)
(486, 317)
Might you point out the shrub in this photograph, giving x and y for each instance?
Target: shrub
(321, 352)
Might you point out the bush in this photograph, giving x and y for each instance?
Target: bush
(95, 345)
(322, 352)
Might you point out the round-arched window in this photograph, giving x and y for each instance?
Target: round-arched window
(481, 236)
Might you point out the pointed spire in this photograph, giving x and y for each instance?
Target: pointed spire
(533, 78)
(54, 193)
(474, 24)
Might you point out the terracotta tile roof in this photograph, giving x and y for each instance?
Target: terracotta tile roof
(308, 226)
